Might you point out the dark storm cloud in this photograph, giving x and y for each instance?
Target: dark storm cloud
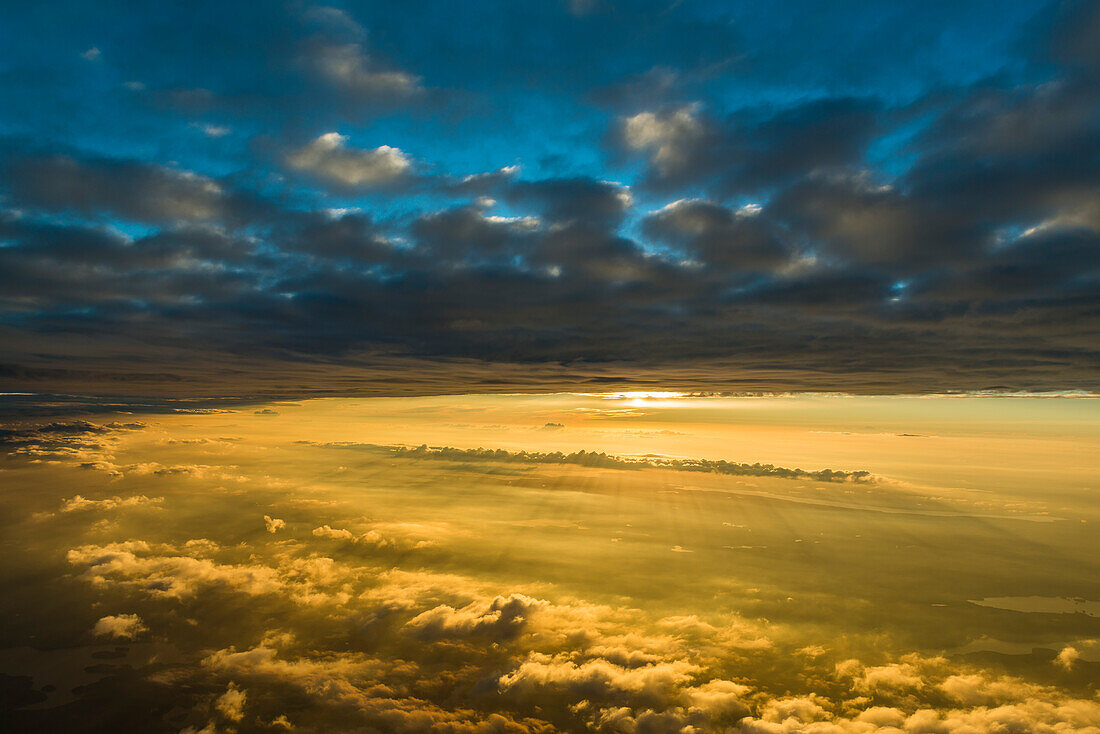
(832, 240)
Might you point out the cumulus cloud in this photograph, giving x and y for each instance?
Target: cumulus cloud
(502, 617)
(543, 663)
(798, 710)
(328, 158)
(1067, 656)
(750, 150)
(976, 689)
(139, 566)
(597, 678)
(895, 676)
(231, 703)
(273, 524)
(120, 627)
(182, 574)
(77, 503)
(671, 139)
(398, 536)
(1030, 715)
(330, 533)
(349, 682)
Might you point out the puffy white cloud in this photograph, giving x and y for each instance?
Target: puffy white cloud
(1032, 715)
(975, 689)
(502, 617)
(734, 632)
(168, 576)
(332, 533)
(801, 709)
(895, 676)
(351, 632)
(1067, 657)
(614, 668)
(120, 627)
(273, 524)
(882, 716)
(231, 703)
(597, 677)
(78, 503)
(372, 688)
(670, 138)
(327, 157)
(377, 539)
(167, 572)
(718, 697)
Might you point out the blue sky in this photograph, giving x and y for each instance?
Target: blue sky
(535, 87)
(713, 170)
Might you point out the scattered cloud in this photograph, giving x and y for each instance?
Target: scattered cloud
(120, 627)
(77, 503)
(328, 158)
(231, 703)
(273, 524)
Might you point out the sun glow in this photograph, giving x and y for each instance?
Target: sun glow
(641, 395)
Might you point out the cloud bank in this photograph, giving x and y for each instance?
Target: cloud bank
(707, 208)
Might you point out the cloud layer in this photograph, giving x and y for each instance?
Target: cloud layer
(331, 201)
(225, 571)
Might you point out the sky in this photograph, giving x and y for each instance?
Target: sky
(228, 198)
(554, 366)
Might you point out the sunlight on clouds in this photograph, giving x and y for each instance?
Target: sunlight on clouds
(308, 566)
